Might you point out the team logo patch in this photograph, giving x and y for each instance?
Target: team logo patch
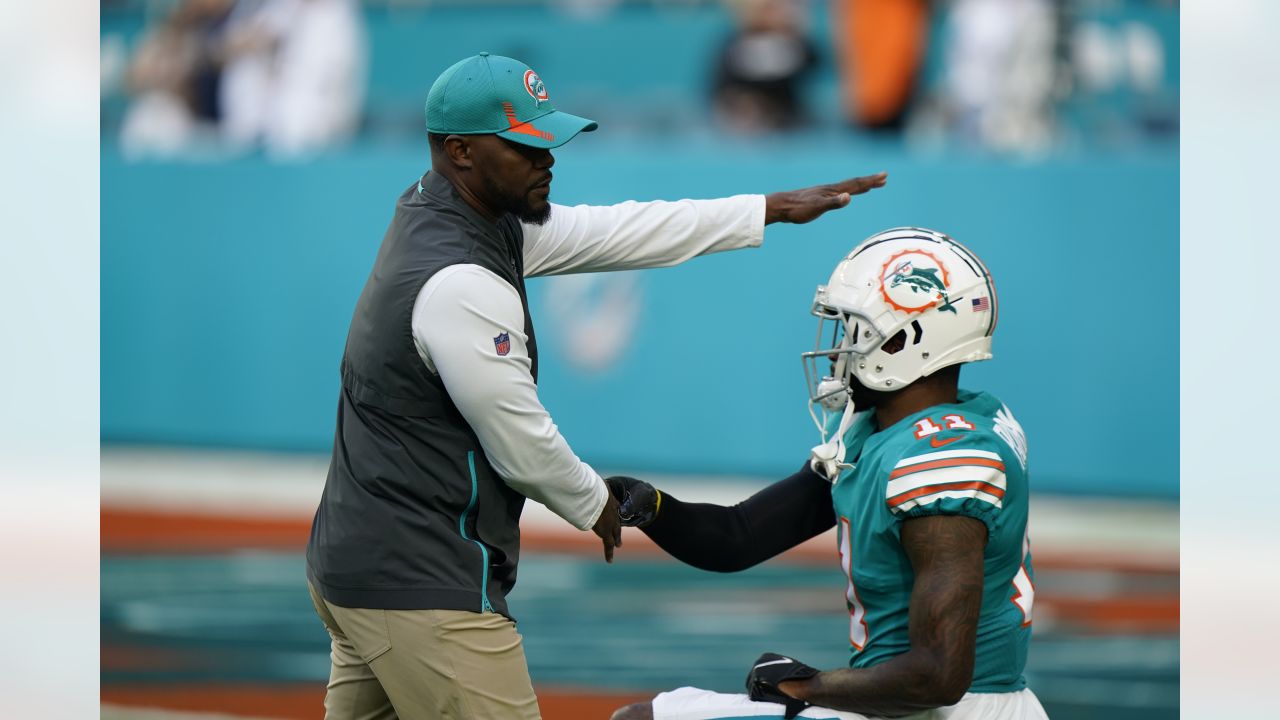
(914, 281)
(533, 85)
(502, 343)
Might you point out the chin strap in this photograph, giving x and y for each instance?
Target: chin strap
(827, 459)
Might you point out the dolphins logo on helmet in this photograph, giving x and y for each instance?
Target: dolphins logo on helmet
(922, 278)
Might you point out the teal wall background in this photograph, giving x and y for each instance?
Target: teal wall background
(227, 288)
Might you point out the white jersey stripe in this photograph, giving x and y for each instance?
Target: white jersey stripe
(956, 494)
(959, 473)
(947, 454)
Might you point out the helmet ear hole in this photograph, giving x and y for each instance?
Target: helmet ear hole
(895, 344)
(918, 332)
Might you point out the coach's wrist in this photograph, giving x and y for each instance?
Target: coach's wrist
(776, 207)
(600, 501)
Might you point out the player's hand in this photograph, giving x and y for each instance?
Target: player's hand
(639, 501)
(802, 206)
(769, 670)
(609, 528)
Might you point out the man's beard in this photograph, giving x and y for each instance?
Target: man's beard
(516, 203)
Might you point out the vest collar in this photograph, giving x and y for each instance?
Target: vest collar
(438, 187)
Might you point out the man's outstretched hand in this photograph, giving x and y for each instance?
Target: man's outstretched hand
(802, 206)
(609, 528)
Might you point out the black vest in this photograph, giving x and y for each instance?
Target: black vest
(413, 516)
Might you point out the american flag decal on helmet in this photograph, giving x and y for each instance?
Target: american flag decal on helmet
(981, 304)
(502, 343)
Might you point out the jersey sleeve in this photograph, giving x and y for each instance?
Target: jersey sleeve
(967, 477)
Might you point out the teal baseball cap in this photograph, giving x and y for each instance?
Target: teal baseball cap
(495, 95)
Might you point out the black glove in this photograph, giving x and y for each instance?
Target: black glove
(638, 501)
(771, 669)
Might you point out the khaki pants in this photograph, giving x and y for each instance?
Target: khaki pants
(424, 665)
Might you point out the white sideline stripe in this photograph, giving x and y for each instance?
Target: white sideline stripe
(961, 473)
(957, 494)
(210, 483)
(128, 712)
(288, 486)
(271, 485)
(946, 454)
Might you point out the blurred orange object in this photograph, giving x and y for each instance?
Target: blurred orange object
(880, 46)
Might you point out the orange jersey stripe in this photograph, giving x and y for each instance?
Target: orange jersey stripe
(985, 487)
(946, 463)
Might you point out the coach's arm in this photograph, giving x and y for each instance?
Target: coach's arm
(946, 552)
(636, 235)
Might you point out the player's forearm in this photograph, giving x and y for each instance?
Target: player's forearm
(729, 539)
(708, 537)
(946, 553)
(909, 683)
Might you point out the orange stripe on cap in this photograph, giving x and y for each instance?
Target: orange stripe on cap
(985, 487)
(524, 128)
(946, 463)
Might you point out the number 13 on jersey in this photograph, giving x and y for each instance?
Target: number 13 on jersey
(857, 612)
(1024, 591)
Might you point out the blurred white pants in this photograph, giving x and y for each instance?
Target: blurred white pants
(689, 703)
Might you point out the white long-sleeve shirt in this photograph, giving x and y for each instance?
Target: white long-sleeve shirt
(463, 309)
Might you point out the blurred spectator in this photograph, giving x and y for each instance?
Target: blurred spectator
(1000, 70)
(174, 79)
(294, 77)
(760, 67)
(881, 46)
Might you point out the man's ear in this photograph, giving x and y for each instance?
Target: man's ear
(458, 149)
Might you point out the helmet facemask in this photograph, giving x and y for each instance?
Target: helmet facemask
(842, 338)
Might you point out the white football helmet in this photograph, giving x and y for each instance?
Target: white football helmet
(904, 304)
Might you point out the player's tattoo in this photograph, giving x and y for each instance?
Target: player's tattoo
(946, 553)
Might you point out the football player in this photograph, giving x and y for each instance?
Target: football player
(926, 484)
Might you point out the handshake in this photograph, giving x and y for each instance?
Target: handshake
(631, 503)
(638, 501)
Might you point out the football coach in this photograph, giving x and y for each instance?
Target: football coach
(440, 433)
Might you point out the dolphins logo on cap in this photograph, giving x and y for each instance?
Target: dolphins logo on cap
(533, 85)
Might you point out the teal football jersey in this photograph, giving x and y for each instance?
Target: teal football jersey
(967, 458)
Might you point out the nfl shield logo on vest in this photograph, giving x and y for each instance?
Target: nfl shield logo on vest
(502, 343)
